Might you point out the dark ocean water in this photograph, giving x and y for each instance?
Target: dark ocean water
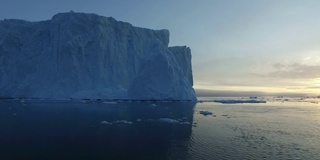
(153, 130)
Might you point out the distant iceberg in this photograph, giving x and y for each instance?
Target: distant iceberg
(231, 101)
(79, 55)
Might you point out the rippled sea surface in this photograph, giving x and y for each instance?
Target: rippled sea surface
(32, 129)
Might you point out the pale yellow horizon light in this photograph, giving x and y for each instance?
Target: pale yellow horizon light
(302, 90)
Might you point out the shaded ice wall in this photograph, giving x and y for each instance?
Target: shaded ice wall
(78, 55)
(183, 57)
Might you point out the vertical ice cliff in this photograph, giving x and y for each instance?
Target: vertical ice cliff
(79, 55)
(183, 57)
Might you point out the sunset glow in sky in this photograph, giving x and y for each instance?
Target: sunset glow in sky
(238, 45)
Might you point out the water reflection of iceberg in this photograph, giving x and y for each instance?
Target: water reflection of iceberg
(74, 130)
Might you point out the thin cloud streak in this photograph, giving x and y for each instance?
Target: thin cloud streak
(295, 71)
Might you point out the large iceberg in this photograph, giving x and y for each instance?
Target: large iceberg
(80, 55)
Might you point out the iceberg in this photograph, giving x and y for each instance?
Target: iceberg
(87, 56)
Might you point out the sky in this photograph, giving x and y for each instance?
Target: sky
(237, 45)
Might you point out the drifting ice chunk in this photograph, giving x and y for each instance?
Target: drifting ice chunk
(205, 113)
(105, 122)
(107, 102)
(185, 123)
(168, 120)
(123, 121)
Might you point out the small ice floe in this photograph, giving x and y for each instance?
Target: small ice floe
(105, 122)
(224, 115)
(109, 102)
(123, 122)
(168, 120)
(139, 120)
(14, 114)
(253, 97)
(185, 123)
(205, 113)
(153, 105)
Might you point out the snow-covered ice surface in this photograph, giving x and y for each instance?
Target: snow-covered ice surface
(79, 55)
